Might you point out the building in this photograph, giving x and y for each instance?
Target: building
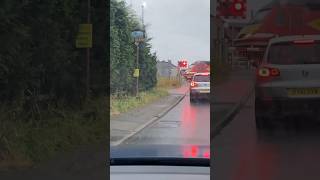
(166, 69)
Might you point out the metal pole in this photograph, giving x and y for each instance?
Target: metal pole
(142, 17)
(232, 44)
(88, 56)
(137, 67)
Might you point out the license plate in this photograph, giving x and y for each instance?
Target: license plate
(204, 91)
(304, 91)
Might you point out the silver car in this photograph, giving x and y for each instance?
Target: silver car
(200, 86)
(288, 80)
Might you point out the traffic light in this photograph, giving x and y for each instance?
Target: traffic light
(232, 8)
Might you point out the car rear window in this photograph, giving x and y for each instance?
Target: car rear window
(294, 53)
(201, 78)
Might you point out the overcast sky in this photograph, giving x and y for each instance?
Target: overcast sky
(179, 28)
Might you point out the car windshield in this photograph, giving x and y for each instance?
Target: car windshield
(153, 114)
(201, 78)
(294, 53)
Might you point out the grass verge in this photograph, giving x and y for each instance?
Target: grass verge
(25, 143)
(124, 103)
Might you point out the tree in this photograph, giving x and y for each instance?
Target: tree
(38, 57)
(123, 52)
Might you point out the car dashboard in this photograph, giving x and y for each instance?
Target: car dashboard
(159, 172)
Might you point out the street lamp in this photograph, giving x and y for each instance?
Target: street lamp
(144, 4)
(138, 36)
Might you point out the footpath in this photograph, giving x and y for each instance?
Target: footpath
(229, 96)
(127, 124)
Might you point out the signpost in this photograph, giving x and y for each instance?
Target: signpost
(138, 36)
(136, 73)
(84, 37)
(84, 40)
(315, 24)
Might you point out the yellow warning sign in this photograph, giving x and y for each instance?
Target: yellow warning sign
(84, 37)
(136, 73)
(250, 29)
(315, 24)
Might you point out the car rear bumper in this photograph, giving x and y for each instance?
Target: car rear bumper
(286, 106)
(268, 91)
(200, 93)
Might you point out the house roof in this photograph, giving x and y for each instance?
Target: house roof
(169, 63)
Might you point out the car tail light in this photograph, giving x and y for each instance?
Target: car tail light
(265, 73)
(193, 84)
(304, 41)
(206, 154)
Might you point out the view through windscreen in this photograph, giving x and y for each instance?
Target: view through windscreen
(156, 49)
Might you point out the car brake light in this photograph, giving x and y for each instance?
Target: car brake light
(275, 72)
(268, 72)
(193, 84)
(304, 41)
(206, 154)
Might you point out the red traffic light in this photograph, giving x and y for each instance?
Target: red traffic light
(232, 8)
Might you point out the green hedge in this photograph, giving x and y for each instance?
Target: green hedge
(123, 52)
(37, 50)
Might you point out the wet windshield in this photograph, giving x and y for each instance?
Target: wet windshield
(153, 112)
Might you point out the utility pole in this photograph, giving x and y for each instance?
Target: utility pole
(137, 67)
(232, 44)
(88, 54)
(138, 36)
(142, 15)
(214, 34)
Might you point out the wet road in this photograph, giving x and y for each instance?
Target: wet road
(240, 155)
(185, 124)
